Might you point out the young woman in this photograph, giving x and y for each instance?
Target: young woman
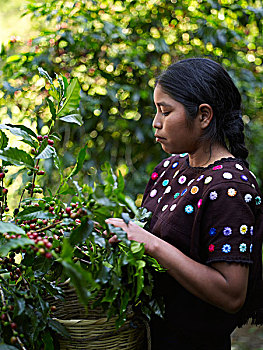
(207, 222)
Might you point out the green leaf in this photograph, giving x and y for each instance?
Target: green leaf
(48, 341)
(14, 244)
(80, 161)
(20, 304)
(58, 328)
(48, 152)
(71, 102)
(73, 118)
(7, 347)
(9, 227)
(52, 108)
(24, 128)
(81, 233)
(17, 131)
(34, 213)
(3, 140)
(17, 157)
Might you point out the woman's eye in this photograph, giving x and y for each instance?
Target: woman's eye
(165, 114)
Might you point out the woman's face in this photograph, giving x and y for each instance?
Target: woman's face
(172, 130)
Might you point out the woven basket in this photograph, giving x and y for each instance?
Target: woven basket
(90, 330)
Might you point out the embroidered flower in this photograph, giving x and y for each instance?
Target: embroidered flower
(175, 165)
(252, 174)
(176, 195)
(251, 230)
(253, 185)
(231, 192)
(213, 195)
(194, 189)
(184, 191)
(166, 163)
(227, 176)
(208, 179)
(244, 178)
(243, 247)
(243, 229)
(173, 207)
(165, 182)
(154, 176)
(258, 200)
(189, 209)
(200, 177)
(211, 248)
(227, 231)
(153, 193)
(159, 199)
(212, 231)
(164, 207)
(183, 155)
(250, 248)
(226, 248)
(199, 203)
(217, 167)
(248, 198)
(168, 189)
(176, 173)
(182, 179)
(162, 174)
(239, 167)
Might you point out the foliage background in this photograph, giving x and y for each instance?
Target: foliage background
(116, 49)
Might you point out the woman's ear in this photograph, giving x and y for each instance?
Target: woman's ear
(205, 115)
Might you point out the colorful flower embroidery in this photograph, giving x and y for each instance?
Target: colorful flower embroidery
(176, 195)
(183, 155)
(227, 176)
(168, 189)
(208, 179)
(226, 248)
(173, 207)
(176, 173)
(154, 176)
(212, 231)
(239, 167)
(252, 174)
(200, 177)
(153, 193)
(231, 192)
(159, 199)
(175, 165)
(258, 200)
(182, 179)
(189, 209)
(243, 229)
(194, 189)
(251, 230)
(199, 203)
(165, 182)
(243, 247)
(217, 167)
(244, 178)
(213, 195)
(211, 248)
(162, 174)
(166, 163)
(164, 207)
(184, 191)
(248, 198)
(227, 231)
(250, 248)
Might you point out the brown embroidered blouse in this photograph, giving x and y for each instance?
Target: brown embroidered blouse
(211, 214)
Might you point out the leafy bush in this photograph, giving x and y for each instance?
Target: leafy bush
(54, 236)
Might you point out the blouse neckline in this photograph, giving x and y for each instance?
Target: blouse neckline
(217, 162)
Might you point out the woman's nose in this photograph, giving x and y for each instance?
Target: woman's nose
(157, 121)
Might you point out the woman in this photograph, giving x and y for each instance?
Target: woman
(206, 228)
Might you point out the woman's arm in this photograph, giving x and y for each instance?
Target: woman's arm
(222, 284)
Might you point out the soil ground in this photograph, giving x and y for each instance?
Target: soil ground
(247, 338)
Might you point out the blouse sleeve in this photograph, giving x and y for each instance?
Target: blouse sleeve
(227, 224)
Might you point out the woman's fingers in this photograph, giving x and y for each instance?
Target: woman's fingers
(113, 239)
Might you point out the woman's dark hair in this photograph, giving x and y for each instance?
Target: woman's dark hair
(200, 80)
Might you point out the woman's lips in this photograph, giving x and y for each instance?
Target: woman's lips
(159, 138)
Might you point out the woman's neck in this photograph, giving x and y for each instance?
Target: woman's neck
(204, 157)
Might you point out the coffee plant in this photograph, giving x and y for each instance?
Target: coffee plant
(53, 237)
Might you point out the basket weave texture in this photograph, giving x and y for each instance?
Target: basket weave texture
(90, 330)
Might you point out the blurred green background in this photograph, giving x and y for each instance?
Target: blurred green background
(116, 49)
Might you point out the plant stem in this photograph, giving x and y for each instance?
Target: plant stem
(34, 179)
